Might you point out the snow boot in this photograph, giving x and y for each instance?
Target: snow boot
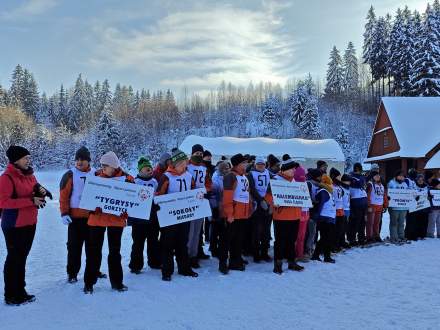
(195, 263)
(223, 268)
(88, 289)
(278, 267)
(189, 272)
(120, 287)
(72, 279)
(102, 275)
(166, 277)
(295, 267)
(329, 260)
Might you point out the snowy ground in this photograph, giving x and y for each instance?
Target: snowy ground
(377, 288)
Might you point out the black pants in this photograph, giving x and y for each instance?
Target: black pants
(260, 232)
(141, 231)
(18, 244)
(94, 254)
(216, 228)
(356, 225)
(173, 241)
(416, 225)
(231, 242)
(324, 244)
(339, 232)
(207, 230)
(77, 236)
(247, 243)
(286, 232)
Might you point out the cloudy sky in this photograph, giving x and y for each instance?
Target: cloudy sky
(170, 44)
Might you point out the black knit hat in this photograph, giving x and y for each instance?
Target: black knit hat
(83, 154)
(288, 164)
(345, 178)
(314, 173)
(195, 148)
(334, 173)
(399, 173)
(237, 159)
(178, 156)
(285, 157)
(207, 153)
(320, 163)
(272, 160)
(15, 153)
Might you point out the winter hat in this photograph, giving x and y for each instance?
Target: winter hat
(435, 182)
(83, 154)
(420, 176)
(300, 174)
(260, 160)
(375, 167)
(286, 157)
(373, 173)
(345, 178)
(314, 173)
(144, 162)
(320, 163)
(223, 167)
(163, 159)
(288, 164)
(110, 159)
(178, 156)
(237, 159)
(272, 160)
(357, 166)
(207, 153)
(334, 173)
(195, 148)
(15, 153)
(412, 173)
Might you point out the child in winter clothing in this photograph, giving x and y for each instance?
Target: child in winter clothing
(434, 215)
(286, 221)
(202, 179)
(237, 208)
(259, 179)
(142, 230)
(314, 177)
(71, 188)
(300, 176)
(174, 239)
(98, 223)
(326, 214)
(216, 201)
(338, 197)
(377, 205)
(417, 221)
(398, 214)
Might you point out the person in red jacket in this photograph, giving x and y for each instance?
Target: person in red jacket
(286, 221)
(237, 208)
(174, 239)
(98, 223)
(71, 187)
(19, 203)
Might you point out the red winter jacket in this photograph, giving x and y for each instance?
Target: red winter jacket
(19, 211)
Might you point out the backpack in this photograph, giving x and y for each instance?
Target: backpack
(14, 193)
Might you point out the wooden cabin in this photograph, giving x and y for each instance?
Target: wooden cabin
(406, 134)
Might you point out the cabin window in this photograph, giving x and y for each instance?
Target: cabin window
(386, 141)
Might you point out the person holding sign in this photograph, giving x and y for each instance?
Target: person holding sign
(417, 219)
(236, 208)
(141, 229)
(377, 205)
(98, 223)
(174, 238)
(71, 189)
(398, 214)
(326, 214)
(202, 179)
(286, 223)
(434, 215)
(259, 179)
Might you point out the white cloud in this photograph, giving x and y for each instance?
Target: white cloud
(200, 48)
(29, 8)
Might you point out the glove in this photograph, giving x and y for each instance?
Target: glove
(98, 211)
(230, 219)
(124, 215)
(208, 195)
(384, 210)
(263, 205)
(66, 219)
(417, 198)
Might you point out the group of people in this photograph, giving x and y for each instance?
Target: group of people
(347, 212)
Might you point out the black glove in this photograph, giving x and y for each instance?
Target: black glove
(37, 192)
(417, 198)
(208, 195)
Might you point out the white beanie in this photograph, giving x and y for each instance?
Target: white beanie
(260, 160)
(110, 159)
